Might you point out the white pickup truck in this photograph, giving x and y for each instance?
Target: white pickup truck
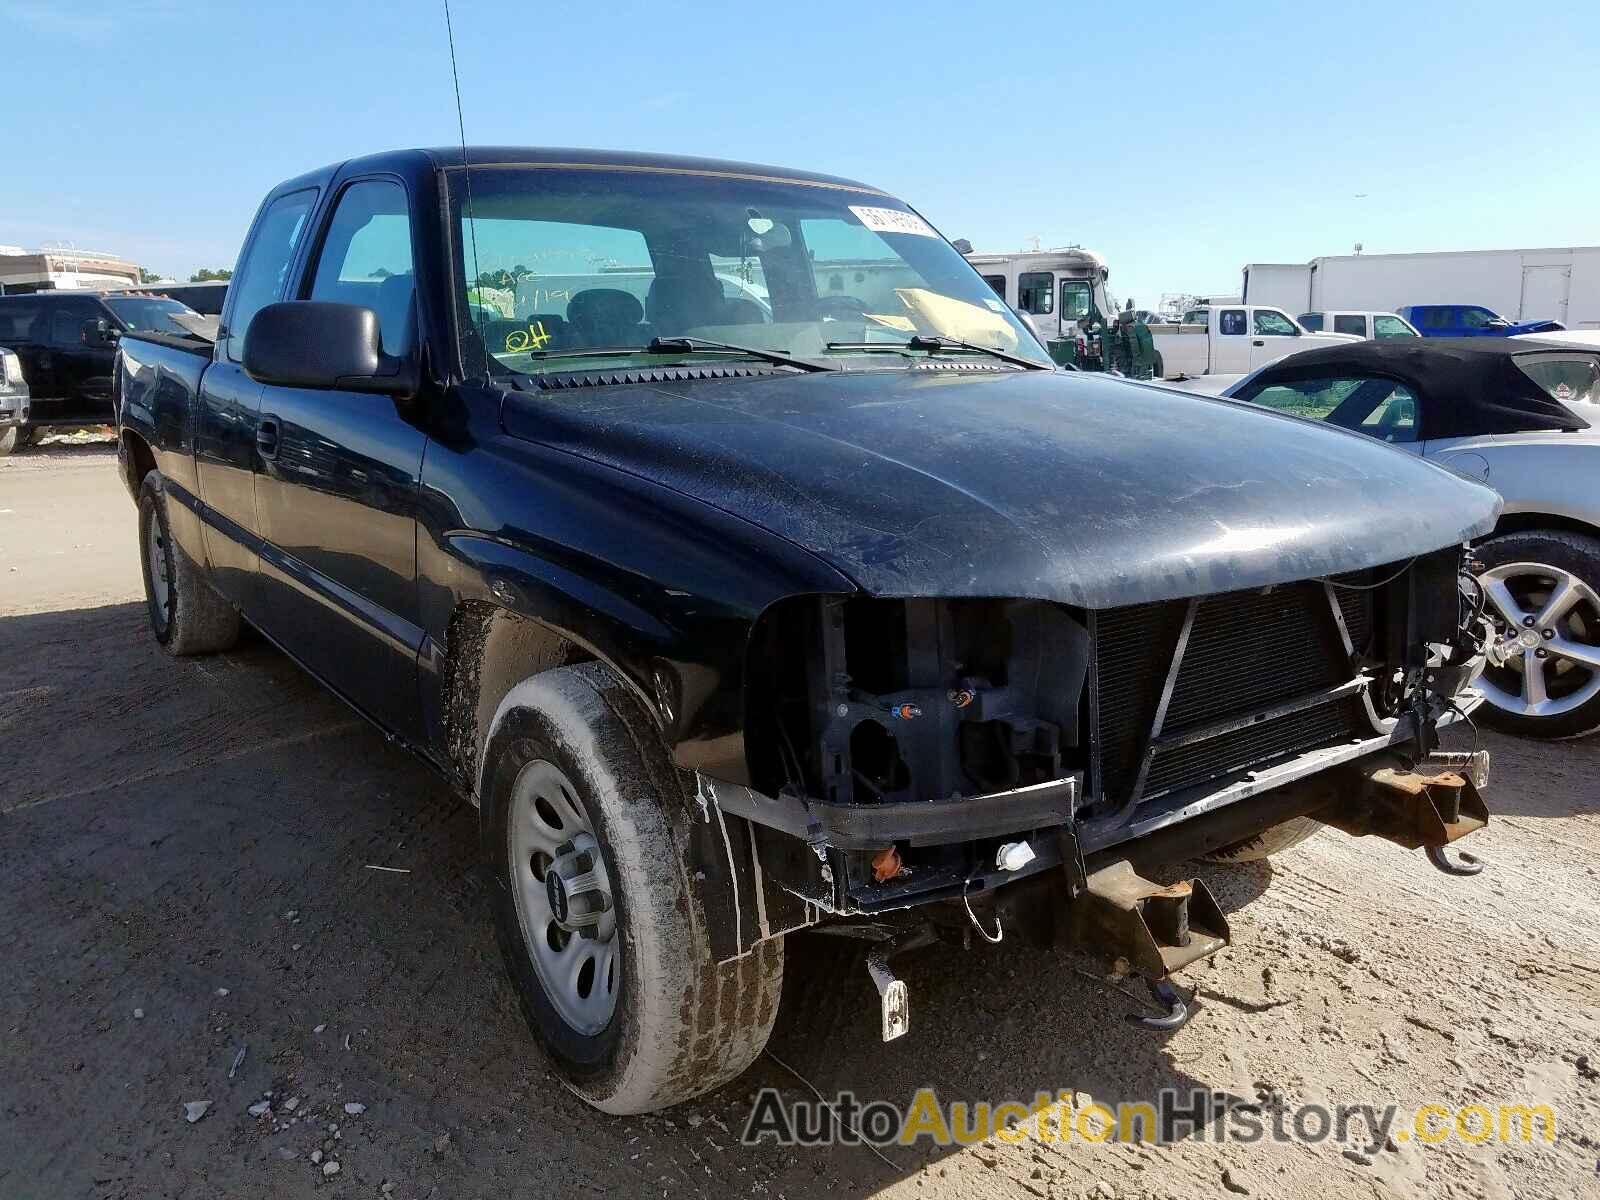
(1227, 339)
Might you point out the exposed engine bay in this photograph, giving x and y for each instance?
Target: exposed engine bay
(928, 749)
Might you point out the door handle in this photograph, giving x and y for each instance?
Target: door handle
(267, 437)
(1258, 342)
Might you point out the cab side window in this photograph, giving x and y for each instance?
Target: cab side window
(1036, 292)
(265, 266)
(1231, 322)
(1351, 323)
(366, 258)
(1312, 321)
(66, 322)
(998, 283)
(1270, 323)
(1476, 318)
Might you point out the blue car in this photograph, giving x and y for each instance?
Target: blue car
(1468, 320)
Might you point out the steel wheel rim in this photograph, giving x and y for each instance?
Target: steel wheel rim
(156, 567)
(565, 903)
(1549, 633)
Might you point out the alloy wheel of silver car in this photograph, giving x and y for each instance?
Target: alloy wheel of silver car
(1548, 640)
(564, 898)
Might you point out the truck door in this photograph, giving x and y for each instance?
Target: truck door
(1036, 296)
(81, 369)
(338, 477)
(1272, 335)
(1544, 293)
(225, 450)
(1229, 349)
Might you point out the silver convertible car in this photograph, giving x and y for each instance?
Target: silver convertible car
(1514, 414)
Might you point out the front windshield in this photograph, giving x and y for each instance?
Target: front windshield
(145, 314)
(562, 265)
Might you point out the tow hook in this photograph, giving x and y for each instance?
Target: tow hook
(1158, 928)
(1429, 808)
(1166, 996)
(1468, 864)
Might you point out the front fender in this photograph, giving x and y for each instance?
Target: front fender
(661, 588)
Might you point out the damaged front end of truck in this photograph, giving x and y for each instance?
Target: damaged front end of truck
(925, 769)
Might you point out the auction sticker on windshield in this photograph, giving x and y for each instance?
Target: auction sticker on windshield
(892, 220)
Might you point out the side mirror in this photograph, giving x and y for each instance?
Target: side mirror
(318, 344)
(98, 332)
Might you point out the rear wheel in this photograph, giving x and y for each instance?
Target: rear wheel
(1542, 591)
(601, 931)
(1266, 843)
(186, 614)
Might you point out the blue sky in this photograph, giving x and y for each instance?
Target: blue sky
(1180, 140)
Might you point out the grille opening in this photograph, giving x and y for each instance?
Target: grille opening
(1246, 651)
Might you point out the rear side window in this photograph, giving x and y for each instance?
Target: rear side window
(998, 283)
(1569, 380)
(1231, 322)
(1350, 323)
(1312, 321)
(1036, 292)
(265, 266)
(366, 258)
(1435, 318)
(18, 319)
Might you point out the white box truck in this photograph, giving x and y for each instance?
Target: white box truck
(1558, 284)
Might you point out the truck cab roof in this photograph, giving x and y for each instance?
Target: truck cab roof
(417, 159)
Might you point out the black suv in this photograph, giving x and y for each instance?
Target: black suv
(67, 344)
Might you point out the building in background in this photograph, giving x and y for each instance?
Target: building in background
(1556, 284)
(60, 268)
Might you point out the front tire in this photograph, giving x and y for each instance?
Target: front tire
(1266, 843)
(186, 615)
(612, 961)
(1542, 588)
(11, 440)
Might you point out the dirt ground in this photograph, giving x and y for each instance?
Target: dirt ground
(188, 853)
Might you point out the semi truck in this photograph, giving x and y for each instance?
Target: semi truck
(1551, 284)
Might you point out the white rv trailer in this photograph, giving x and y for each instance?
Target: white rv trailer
(1054, 288)
(57, 268)
(1556, 284)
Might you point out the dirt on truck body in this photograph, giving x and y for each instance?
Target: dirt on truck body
(821, 602)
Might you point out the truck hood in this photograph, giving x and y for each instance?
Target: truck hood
(1063, 487)
(1544, 326)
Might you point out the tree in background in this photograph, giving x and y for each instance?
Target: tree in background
(210, 274)
(148, 276)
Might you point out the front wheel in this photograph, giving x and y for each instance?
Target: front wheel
(186, 614)
(1542, 591)
(601, 932)
(1266, 843)
(11, 440)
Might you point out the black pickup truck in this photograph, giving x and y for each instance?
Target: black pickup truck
(66, 343)
(749, 565)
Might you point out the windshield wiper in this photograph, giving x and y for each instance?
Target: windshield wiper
(933, 343)
(688, 345)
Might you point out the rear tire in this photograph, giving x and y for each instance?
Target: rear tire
(574, 768)
(186, 615)
(1266, 843)
(1528, 573)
